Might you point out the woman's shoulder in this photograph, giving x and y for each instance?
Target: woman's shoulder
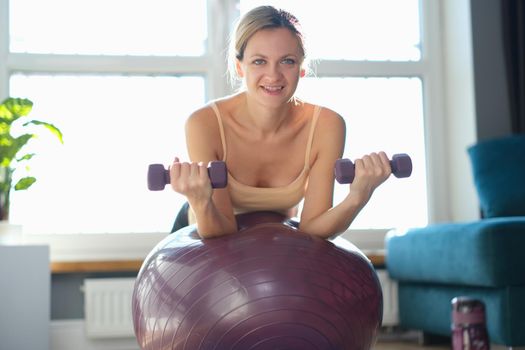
(202, 120)
(324, 112)
(201, 112)
(202, 134)
(205, 115)
(208, 115)
(222, 106)
(330, 130)
(330, 133)
(329, 118)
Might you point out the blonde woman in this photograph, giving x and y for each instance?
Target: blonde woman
(278, 149)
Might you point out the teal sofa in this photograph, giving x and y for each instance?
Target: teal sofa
(484, 259)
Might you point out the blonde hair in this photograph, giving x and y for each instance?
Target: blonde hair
(259, 18)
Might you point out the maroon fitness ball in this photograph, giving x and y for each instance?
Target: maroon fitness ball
(268, 286)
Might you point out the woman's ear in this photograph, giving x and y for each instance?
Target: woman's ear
(238, 69)
(303, 72)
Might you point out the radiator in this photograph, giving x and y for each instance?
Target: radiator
(107, 307)
(107, 303)
(390, 301)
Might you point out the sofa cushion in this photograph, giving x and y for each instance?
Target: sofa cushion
(499, 175)
(487, 253)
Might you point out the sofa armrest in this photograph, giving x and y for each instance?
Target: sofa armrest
(488, 252)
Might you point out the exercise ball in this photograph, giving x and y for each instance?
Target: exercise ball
(268, 286)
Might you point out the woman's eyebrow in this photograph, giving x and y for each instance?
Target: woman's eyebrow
(260, 55)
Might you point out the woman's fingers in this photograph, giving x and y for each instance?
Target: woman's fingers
(175, 168)
(381, 164)
(370, 171)
(189, 178)
(185, 171)
(368, 163)
(203, 172)
(376, 165)
(385, 162)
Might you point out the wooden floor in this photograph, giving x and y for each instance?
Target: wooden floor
(413, 345)
(402, 341)
(406, 346)
(411, 341)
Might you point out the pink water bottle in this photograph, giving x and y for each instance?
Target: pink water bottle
(469, 331)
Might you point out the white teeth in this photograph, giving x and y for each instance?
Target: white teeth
(273, 88)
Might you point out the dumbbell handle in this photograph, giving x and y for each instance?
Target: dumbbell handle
(159, 177)
(401, 165)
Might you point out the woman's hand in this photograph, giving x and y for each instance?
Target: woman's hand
(370, 172)
(192, 181)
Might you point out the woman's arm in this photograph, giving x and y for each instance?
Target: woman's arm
(318, 216)
(212, 208)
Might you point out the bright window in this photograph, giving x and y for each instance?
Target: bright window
(113, 127)
(383, 111)
(356, 29)
(115, 27)
(119, 78)
(380, 114)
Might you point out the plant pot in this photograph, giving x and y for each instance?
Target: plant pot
(10, 233)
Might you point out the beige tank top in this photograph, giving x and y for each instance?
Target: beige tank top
(248, 198)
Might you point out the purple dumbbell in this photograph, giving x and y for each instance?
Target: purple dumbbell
(158, 176)
(401, 165)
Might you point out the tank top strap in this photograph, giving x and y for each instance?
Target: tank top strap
(317, 111)
(221, 129)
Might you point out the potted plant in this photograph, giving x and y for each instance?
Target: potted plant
(13, 117)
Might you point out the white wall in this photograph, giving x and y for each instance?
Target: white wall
(490, 85)
(24, 297)
(460, 111)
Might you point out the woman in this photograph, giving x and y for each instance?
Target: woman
(278, 149)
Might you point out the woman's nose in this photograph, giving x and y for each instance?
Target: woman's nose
(274, 71)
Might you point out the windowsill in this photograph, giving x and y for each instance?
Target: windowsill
(67, 267)
(96, 247)
(129, 248)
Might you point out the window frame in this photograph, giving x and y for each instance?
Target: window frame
(221, 17)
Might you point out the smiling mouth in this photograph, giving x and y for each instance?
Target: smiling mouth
(273, 88)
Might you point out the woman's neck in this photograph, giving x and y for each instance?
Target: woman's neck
(264, 120)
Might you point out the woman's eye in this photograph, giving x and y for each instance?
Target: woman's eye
(288, 61)
(258, 62)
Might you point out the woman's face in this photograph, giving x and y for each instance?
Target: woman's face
(271, 66)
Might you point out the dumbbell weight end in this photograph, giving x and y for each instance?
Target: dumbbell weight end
(401, 165)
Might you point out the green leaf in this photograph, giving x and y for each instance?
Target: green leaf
(6, 162)
(53, 129)
(19, 107)
(9, 147)
(5, 128)
(24, 183)
(20, 142)
(6, 140)
(5, 114)
(25, 157)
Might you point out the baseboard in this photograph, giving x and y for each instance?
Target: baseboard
(71, 334)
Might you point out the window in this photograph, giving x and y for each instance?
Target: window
(368, 56)
(114, 126)
(117, 27)
(119, 78)
(357, 30)
(381, 113)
